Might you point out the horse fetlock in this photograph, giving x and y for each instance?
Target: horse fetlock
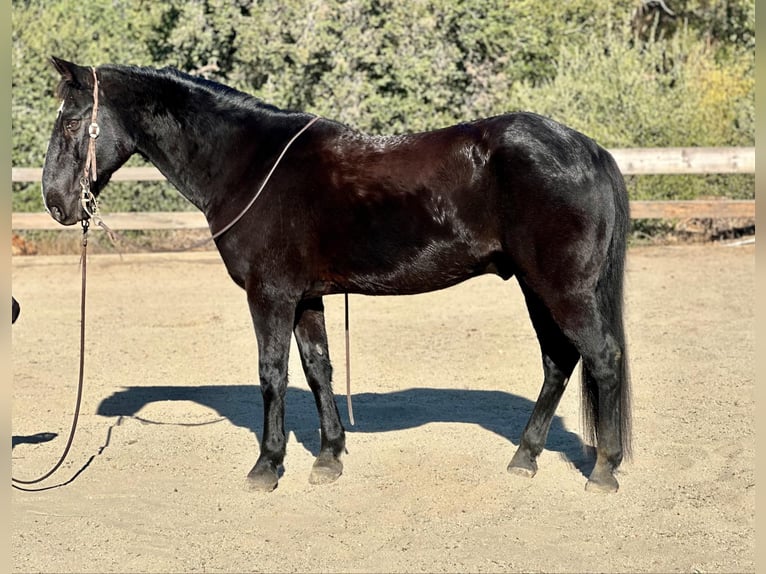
(335, 447)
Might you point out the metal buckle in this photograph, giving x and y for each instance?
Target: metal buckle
(94, 130)
(86, 197)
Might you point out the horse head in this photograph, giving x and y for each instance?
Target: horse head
(87, 145)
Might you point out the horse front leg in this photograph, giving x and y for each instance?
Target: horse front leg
(311, 336)
(272, 321)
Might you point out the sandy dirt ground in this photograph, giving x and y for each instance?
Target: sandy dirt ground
(443, 385)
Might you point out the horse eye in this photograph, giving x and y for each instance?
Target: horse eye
(71, 125)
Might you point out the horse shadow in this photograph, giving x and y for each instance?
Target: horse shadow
(36, 438)
(502, 413)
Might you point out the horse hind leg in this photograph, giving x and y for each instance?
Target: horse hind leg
(311, 336)
(600, 342)
(604, 409)
(559, 358)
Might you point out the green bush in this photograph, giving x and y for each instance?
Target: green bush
(664, 94)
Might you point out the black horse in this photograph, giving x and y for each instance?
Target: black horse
(345, 212)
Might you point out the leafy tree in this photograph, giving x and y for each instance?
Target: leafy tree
(629, 97)
(729, 25)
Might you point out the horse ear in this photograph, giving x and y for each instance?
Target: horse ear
(72, 74)
(63, 67)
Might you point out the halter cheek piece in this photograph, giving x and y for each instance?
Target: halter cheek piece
(89, 171)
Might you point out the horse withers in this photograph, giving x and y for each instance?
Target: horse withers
(517, 195)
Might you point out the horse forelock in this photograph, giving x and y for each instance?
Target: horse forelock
(64, 89)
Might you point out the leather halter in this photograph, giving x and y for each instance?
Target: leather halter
(93, 132)
(90, 172)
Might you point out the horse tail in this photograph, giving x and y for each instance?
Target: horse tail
(609, 297)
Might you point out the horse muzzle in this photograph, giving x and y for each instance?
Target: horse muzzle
(65, 215)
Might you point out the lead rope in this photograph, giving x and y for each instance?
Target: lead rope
(75, 417)
(90, 205)
(348, 365)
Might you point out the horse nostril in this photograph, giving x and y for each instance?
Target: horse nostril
(56, 213)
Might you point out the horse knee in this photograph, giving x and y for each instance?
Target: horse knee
(318, 363)
(273, 378)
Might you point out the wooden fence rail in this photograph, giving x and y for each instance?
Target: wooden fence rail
(632, 161)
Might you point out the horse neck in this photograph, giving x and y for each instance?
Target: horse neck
(200, 141)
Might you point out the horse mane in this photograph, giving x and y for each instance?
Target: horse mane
(220, 92)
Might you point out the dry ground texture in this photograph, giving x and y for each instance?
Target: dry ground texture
(443, 385)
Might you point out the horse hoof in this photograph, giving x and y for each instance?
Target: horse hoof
(521, 471)
(325, 471)
(602, 478)
(261, 480)
(602, 484)
(522, 465)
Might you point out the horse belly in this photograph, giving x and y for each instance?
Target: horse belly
(437, 266)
